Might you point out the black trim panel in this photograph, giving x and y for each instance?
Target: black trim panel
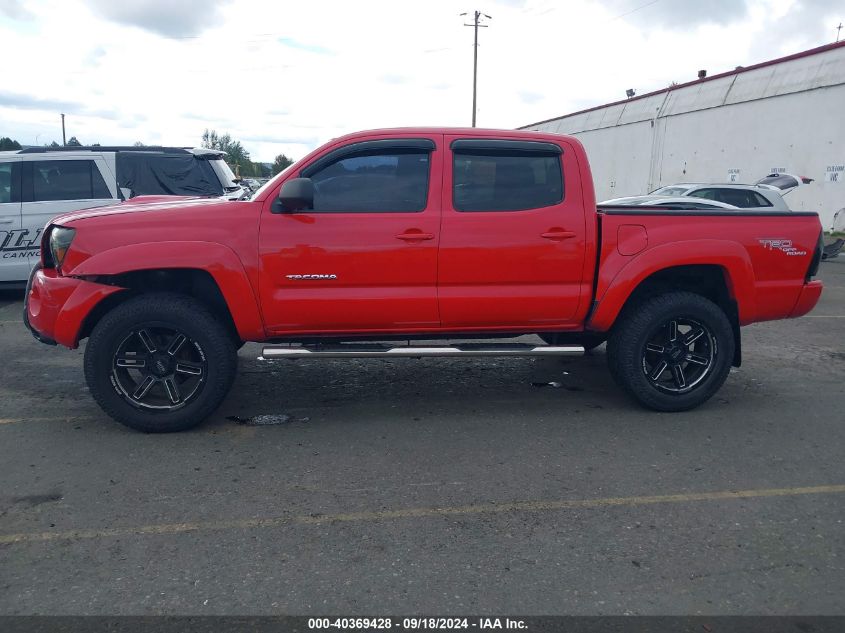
(472, 145)
(418, 144)
(658, 211)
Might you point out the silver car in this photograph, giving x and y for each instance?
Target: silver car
(673, 202)
(741, 196)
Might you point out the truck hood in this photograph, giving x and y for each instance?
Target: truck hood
(140, 205)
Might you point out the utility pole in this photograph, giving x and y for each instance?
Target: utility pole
(64, 142)
(838, 31)
(476, 25)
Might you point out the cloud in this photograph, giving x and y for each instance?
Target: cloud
(182, 18)
(393, 78)
(290, 139)
(302, 46)
(531, 97)
(28, 102)
(807, 23)
(15, 10)
(681, 14)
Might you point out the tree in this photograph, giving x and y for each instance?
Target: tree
(74, 142)
(281, 162)
(238, 156)
(8, 144)
(54, 144)
(138, 144)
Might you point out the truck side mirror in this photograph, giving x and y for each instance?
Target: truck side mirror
(296, 195)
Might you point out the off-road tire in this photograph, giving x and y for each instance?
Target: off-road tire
(629, 346)
(160, 310)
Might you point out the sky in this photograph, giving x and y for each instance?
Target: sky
(285, 77)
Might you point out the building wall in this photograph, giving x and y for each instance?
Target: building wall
(741, 126)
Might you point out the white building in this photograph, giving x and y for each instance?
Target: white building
(787, 114)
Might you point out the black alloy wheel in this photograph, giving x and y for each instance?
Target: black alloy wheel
(160, 362)
(671, 352)
(159, 367)
(679, 355)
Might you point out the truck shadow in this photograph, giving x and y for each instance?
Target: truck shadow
(408, 388)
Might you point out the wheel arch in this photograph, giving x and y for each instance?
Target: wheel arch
(192, 282)
(711, 281)
(209, 272)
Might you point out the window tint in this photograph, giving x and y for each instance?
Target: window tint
(375, 181)
(670, 191)
(742, 198)
(761, 200)
(5, 182)
(67, 180)
(506, 181)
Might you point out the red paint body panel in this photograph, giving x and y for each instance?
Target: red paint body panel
(57, 306)
(497, 270)
(765, 282)
(807, 299)
(518, 271)
(382, 281)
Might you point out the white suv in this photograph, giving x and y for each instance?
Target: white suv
(37, 184)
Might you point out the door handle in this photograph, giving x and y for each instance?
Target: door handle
(556, 234)
(411, 236)
(6, 221)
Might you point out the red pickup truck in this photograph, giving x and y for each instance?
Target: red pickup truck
(412, 235)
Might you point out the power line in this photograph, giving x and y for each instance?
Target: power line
(639, 8)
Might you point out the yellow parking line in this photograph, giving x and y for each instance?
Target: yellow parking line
(409, 513)
(63, 418)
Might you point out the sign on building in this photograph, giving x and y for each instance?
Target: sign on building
(834, 173)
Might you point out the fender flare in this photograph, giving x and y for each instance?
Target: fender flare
(220, 261)
(730, 256)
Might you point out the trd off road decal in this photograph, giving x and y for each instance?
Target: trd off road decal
(20, 243)
(781, 245)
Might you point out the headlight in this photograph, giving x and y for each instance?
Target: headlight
(60, 239)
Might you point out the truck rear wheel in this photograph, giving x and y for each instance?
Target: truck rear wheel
(160, 363)
(671, 352)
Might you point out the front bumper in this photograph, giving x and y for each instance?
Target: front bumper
(807, 299)
(38, 335)
(55, 307)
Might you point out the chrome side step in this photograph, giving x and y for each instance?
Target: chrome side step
(351, 350)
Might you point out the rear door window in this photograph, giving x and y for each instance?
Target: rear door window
(506, 179)
(67, 180)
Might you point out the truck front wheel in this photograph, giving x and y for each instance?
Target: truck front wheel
(671, 352)
(160, 363)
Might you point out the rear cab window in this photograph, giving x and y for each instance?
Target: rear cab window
(499, 175)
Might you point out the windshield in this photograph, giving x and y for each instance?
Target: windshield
(272, 180)
(224, 173)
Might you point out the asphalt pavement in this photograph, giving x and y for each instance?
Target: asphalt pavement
(434, 486)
